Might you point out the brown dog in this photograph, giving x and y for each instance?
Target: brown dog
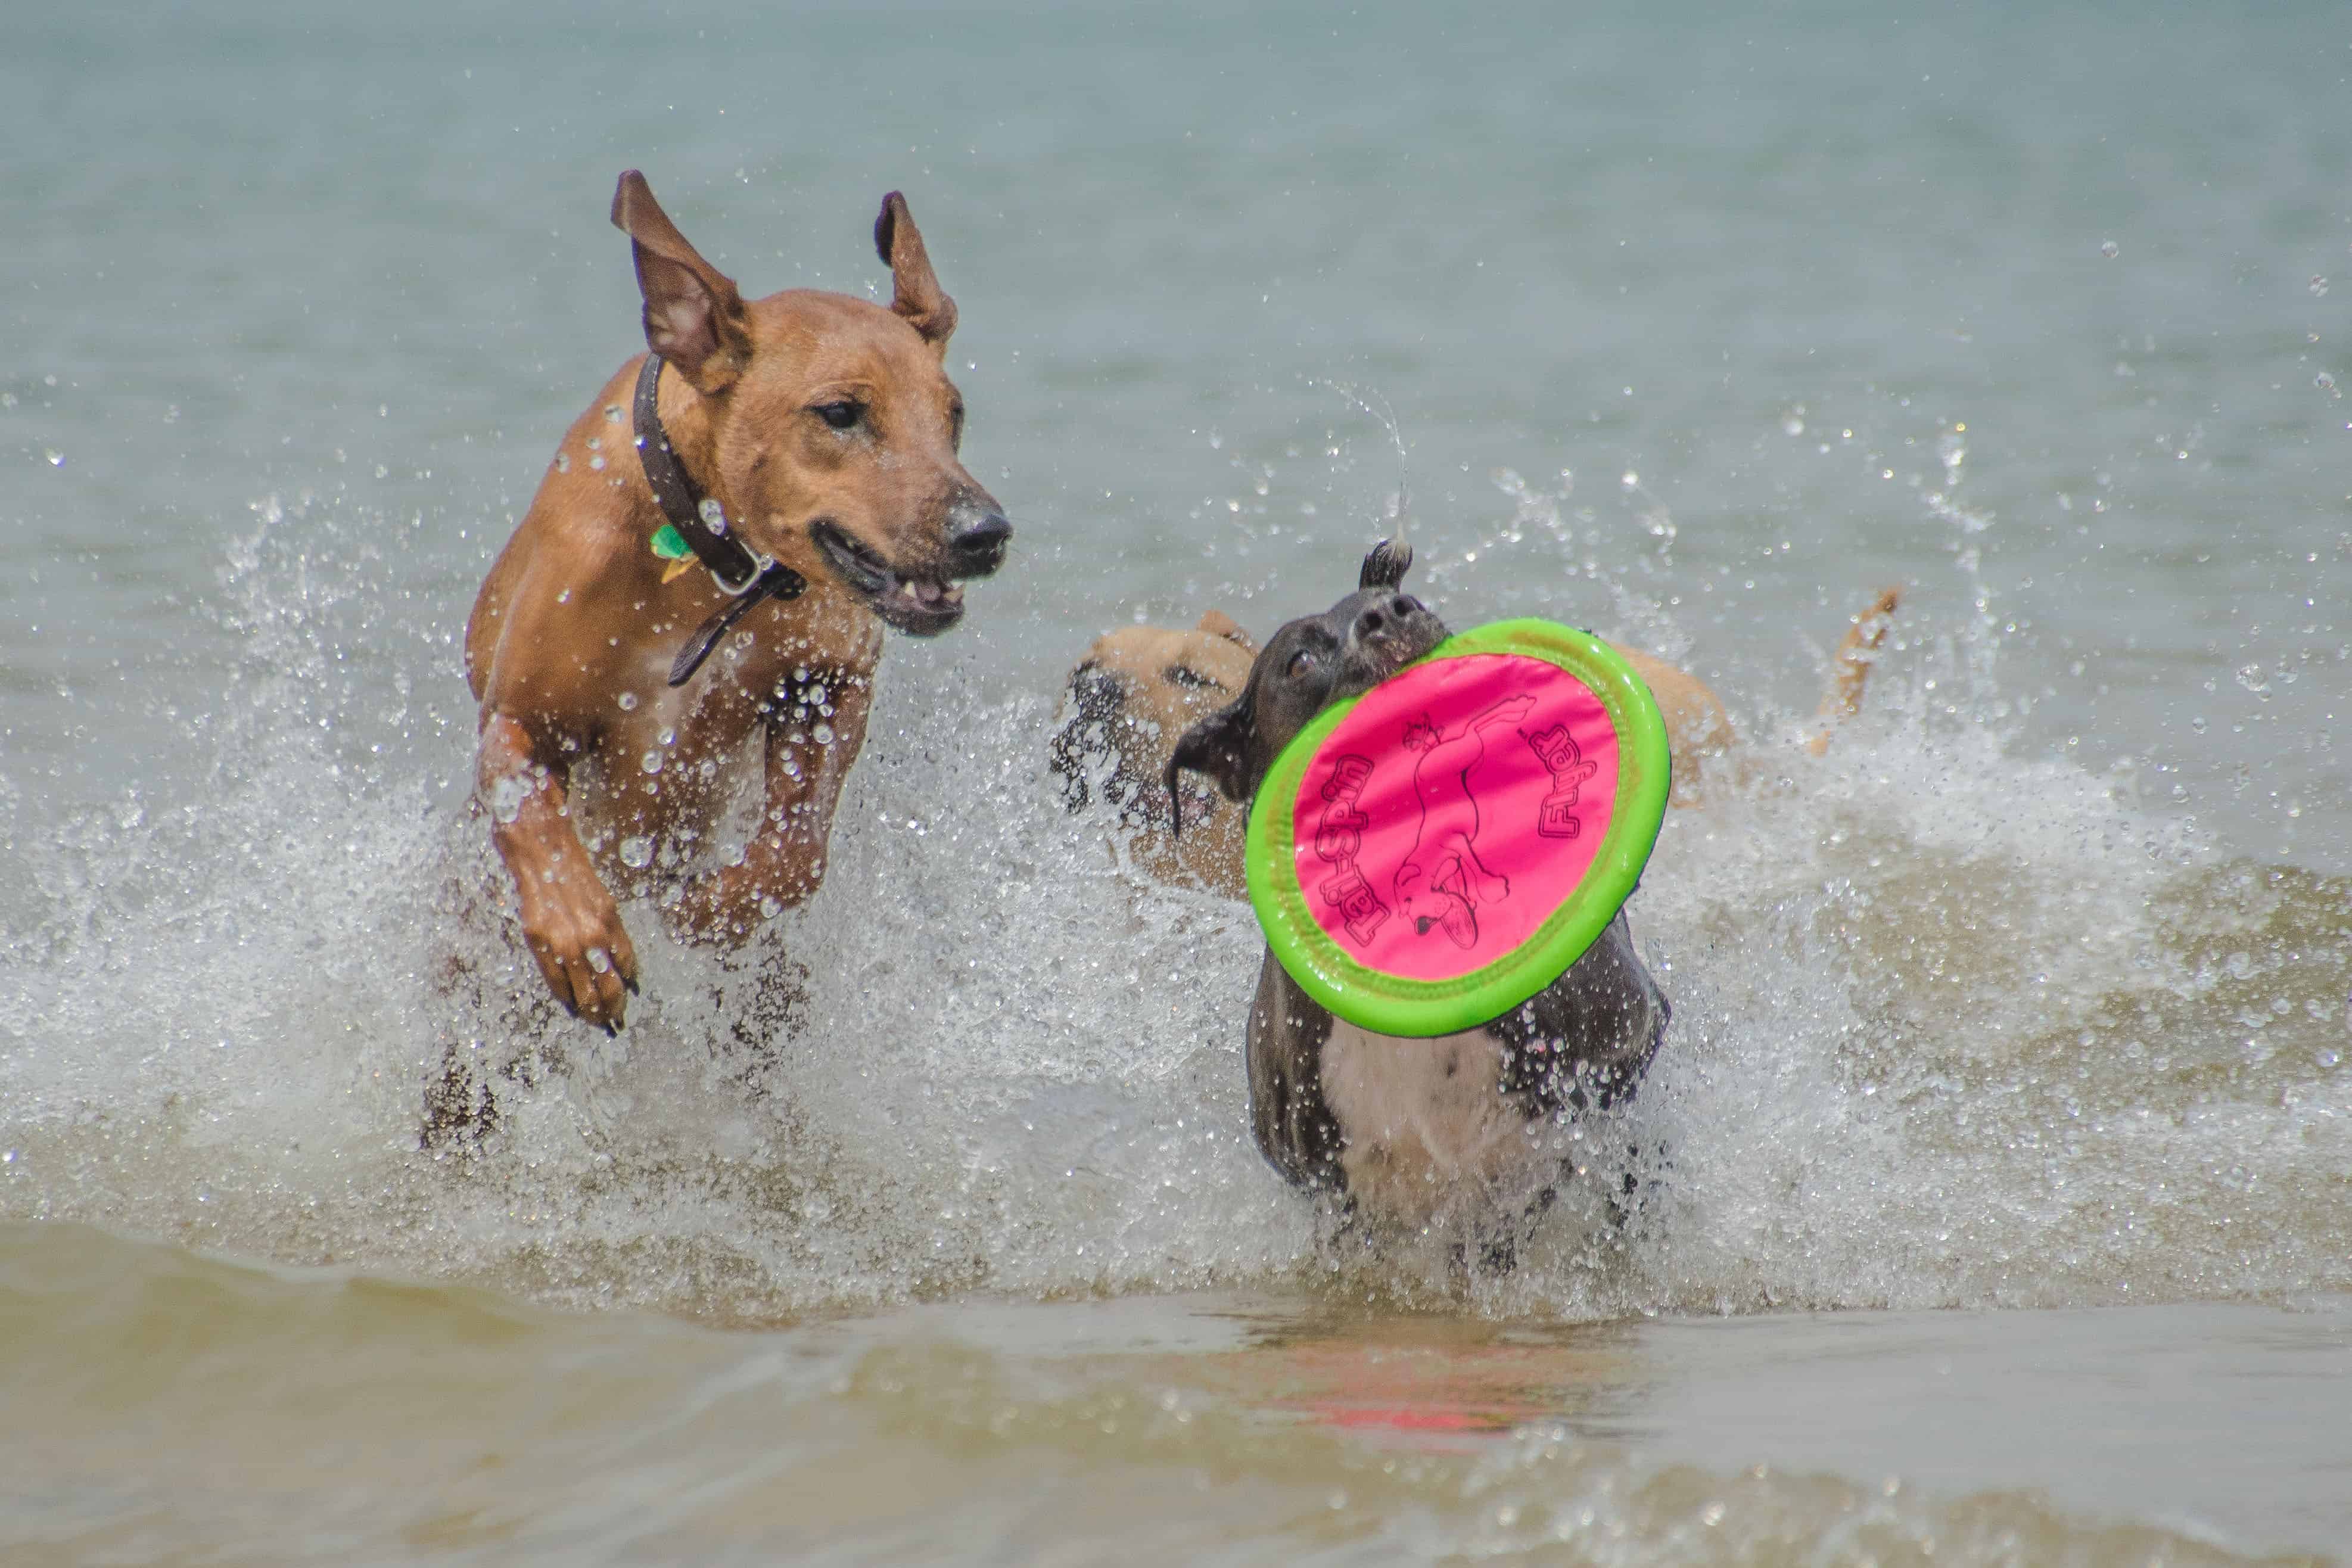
(1139, 689)
(804, 446)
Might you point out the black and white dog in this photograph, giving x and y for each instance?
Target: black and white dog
(1404, 1130)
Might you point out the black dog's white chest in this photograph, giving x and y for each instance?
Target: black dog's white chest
(1424, 1120)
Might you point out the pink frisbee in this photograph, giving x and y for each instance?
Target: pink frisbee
(1433, 853)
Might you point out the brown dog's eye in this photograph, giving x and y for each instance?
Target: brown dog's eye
(842, 414)
(1180, 675)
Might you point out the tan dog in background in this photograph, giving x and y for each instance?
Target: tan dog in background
(821, 433)
(1139, 689)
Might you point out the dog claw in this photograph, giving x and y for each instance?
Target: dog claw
(612, 1032)
(631, 984)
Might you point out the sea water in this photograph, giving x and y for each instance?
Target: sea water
(1994, 1178)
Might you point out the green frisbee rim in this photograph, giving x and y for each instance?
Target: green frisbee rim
(1397, 1004)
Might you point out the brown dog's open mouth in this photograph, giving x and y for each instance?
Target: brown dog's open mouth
(920, 607)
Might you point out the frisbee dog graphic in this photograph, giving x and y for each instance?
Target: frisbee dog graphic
(1441, 881)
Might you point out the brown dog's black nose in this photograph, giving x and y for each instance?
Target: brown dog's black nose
(977, 538)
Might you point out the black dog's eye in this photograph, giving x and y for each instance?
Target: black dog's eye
(1179, 675)
(1302, 661)
(841, 415)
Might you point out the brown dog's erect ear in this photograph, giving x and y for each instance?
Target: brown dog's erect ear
(694, 317)
(1218, 624)
(1218, 746)
(1385, 567)
(915, 291)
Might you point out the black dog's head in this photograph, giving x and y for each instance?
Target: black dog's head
(1305, 666)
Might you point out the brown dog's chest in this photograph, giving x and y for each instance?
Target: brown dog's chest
(672, 765)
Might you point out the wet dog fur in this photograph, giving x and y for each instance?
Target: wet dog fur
(1404, 1131)
(1137, 688)
(1136, 692)
(827, 427)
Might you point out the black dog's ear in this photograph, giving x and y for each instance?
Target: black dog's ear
(1385, 567)
(1218, 746)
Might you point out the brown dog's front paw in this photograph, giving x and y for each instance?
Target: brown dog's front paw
(583, 952)
(727, 906)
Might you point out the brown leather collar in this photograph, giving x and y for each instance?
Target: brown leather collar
(699, 519)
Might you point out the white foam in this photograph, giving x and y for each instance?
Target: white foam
(1952, 1026)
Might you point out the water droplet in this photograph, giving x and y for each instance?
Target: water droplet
(613, 413)
(600, 960)
(2325, 383)
(714, 517)
(651, 762)
(627, 700)
(2110, 249)
(2198, 724)
(636, 850)
(823, 733)
(507, 796)
(56, 458)
(1632, 479)
(668, 737)
(597, 461)
(562, 462)
(2318, 287)
(769, 907)
(1791, 426)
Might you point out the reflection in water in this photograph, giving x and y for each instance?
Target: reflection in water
(1424, 1377)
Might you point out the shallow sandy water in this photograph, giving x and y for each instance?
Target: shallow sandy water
(165, 1408)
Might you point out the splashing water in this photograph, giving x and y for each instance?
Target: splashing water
(1952, 1027)
(1396, 508)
